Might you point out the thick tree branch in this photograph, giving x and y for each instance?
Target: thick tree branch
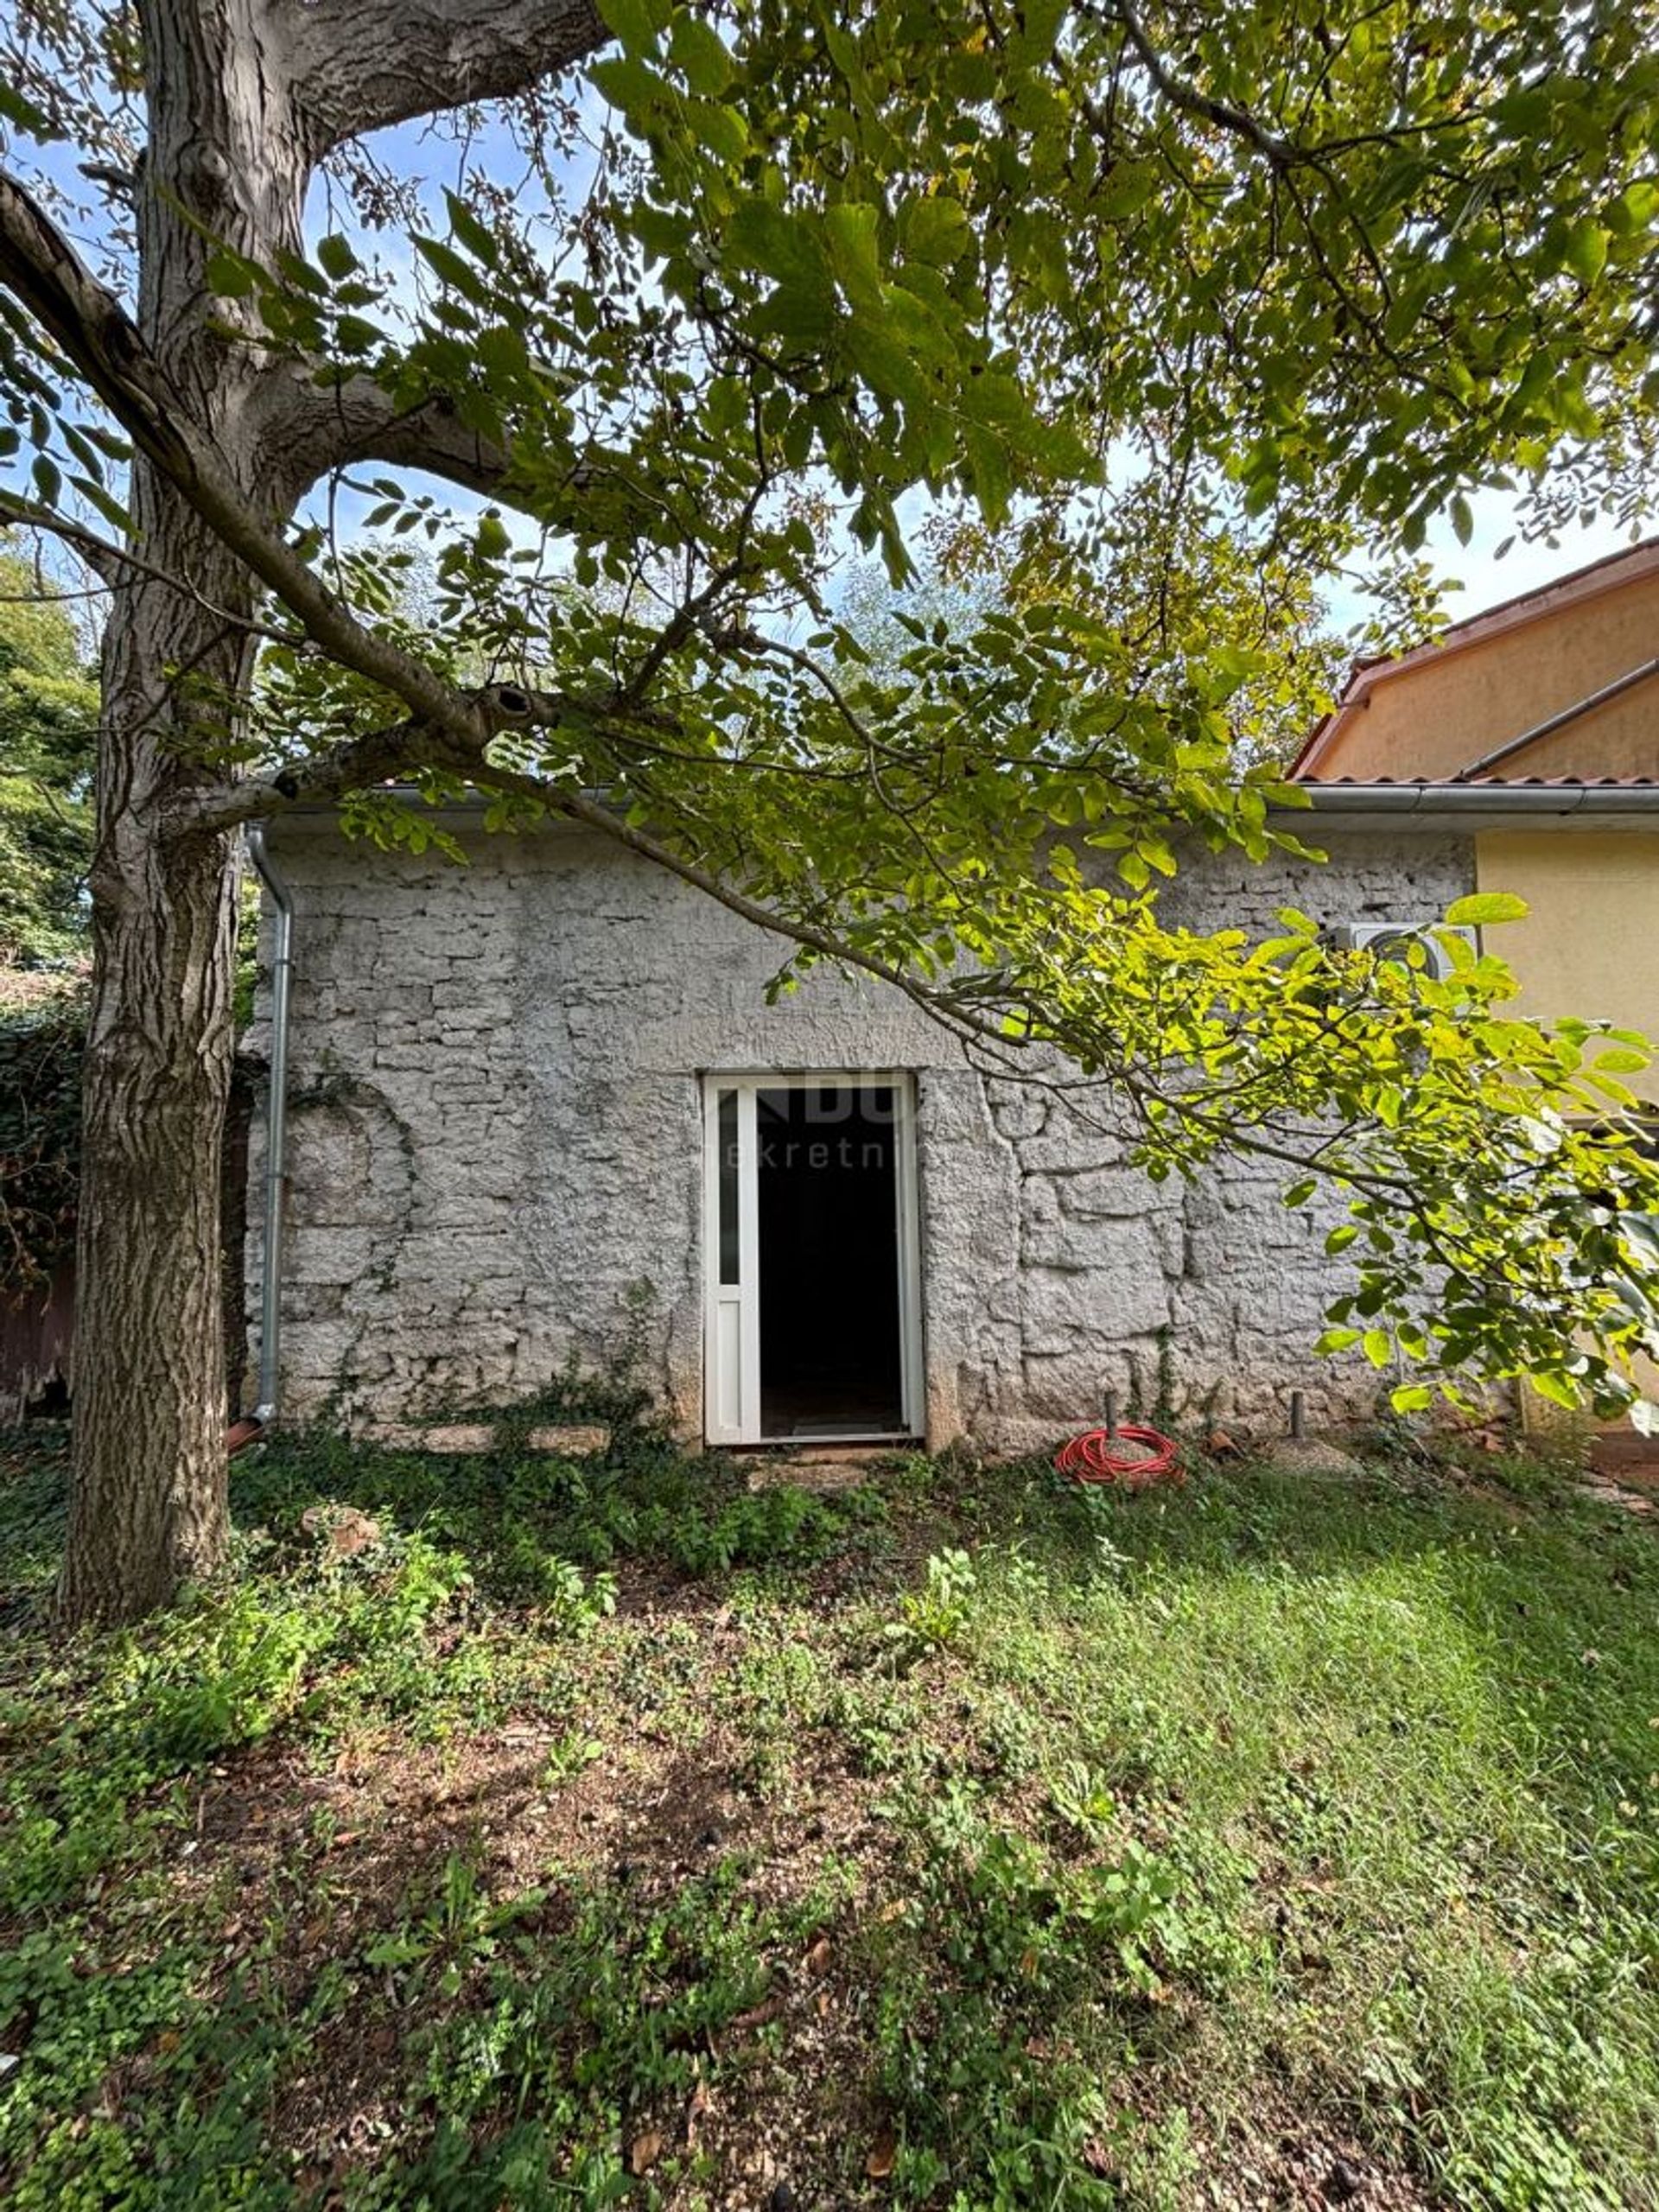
(113, 563)
(310, 425)
(594, 814)
(385, 754)
(85, 320)
(446, 726)
(355, 66)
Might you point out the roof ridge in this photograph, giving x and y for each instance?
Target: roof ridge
(1537, 591)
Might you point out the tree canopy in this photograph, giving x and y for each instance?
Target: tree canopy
(1187, 307)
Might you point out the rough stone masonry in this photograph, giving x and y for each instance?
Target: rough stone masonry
(497, 1133)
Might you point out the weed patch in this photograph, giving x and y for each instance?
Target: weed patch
(604, 1832)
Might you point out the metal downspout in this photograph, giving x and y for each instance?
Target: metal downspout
(270, 1258)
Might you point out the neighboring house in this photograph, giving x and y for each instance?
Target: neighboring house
(541, 1110)
(1557, 689)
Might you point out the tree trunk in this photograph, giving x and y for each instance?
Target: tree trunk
(148, 1508)
(147, 1499)
(244, 97)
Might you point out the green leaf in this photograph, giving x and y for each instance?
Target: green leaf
(1585, 251)
(492, 538)
(989, 472)
(696, 49)
(1336, 1340)
(1039, 26)
(777, 245)
(635, 23)
(719, 128)
(452, 268)
(1482, 907)
(110, 507)
(14, 109)
(1556, 1388)
(850, 228)
(936, 230)
(335, 258)
(1377, 1344)
(230, 275)
(1411, 1397)
(475, 233)
(629, 84)
(1463, 519)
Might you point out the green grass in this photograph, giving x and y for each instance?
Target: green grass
(608, 1834)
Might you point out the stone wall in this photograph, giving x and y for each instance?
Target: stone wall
(496, 1140)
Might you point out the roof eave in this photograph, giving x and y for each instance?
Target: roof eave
(1488, 805)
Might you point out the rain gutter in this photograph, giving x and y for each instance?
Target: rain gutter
(1536, 802)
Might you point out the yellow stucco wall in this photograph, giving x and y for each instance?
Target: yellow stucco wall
(1590, 943)
(1439, 714)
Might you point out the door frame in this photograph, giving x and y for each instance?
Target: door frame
(731, 1345)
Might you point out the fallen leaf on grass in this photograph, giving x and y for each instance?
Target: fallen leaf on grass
(884, 2150)
(647, 2149)
(701, 2102)
(818, 1958)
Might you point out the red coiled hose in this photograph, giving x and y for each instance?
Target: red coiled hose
(1094, 1457)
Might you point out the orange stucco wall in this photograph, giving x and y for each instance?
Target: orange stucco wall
(1436, 716)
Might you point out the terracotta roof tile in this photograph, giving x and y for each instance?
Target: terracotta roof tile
(1467, 783)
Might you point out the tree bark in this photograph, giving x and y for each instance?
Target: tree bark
(244, 97)
(147, 1508)
(147, 1488)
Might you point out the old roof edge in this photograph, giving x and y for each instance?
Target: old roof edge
(1612, 572)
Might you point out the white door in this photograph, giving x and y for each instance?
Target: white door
(734, 1352)
(731, 1264)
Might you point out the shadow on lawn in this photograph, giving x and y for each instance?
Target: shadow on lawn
(733, 1847)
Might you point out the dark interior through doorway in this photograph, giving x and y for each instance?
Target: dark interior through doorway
(831, 1360)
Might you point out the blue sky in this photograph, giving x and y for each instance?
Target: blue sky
(1483, 579)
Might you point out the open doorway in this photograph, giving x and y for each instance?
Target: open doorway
(827, 1173)
(813, 1305)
